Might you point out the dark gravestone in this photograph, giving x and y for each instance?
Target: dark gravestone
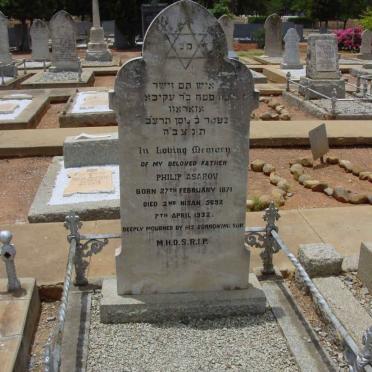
(149, 12)
(109, 28)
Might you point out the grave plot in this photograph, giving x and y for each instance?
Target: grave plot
(88, 108)
(86, 180)
(33, 65)
(22, 111)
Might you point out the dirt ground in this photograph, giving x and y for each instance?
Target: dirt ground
(50, 118)
(259, 184)
(21, 179)
(295, 113)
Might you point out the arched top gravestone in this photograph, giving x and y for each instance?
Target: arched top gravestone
(183, 111)
(64, 54)
(291, 56)
(227, 24)
(366, 45)
(273, 36)
(5, 56)
(39, 32)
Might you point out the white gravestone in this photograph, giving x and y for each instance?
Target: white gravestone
(183, 110)
(273, 36)
(322, 68)
(97, 46)
(366, 45)
(64, 54)
(291, 57)
(39, 32)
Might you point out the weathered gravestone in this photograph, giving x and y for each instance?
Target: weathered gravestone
(64, 54)
(40, 38)
(7, 66)
(366, 45)
(227, 24)
(322, 68)
(291, 57)
(273, 36)
(319, 142)
(97, 46)
(183, 110)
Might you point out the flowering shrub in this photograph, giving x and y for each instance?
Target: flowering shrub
(349, 39)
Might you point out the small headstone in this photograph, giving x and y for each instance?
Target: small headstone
(64, 54)
(90, 181)
(183, 110)
(273, 36)
(291, 57)
(322, 68)
(319, 141)
(40, 38)
(97, 46)
(366, 45)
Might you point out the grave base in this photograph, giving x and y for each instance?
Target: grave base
(267, 60)
(285, 66)
(323, 86)
(160, 307)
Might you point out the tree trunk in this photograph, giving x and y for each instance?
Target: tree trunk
(345, 21)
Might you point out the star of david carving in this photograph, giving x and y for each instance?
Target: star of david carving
(185, 45)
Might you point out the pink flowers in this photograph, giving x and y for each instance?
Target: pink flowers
(349, 39)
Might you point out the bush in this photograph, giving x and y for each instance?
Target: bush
(349, 39)
(257, 19)
(366, 20)
(259, 38)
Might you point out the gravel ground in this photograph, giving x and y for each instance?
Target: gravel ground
(360, 292)
(252, 343)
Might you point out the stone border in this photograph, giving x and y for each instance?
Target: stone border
(278, 194)
(279, 110)
(40, 211)
(16, 83)
(30, 116)
(67, 119)
(87, 78)
(339, 193)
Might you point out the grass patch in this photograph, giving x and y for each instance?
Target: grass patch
(250, 53)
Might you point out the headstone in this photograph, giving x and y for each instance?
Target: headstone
(273, 36)
(319, 141)
(183, 110)
(291, 57)
(64, 54)
(7, 66)
(227, 24)
(97, 46)
(322, 68)
(40, 38)
(366, 45)
(149, 12)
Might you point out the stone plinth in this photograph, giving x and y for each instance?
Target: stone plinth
(322, 86)
(365, 265)
(174, 306)
(97, 46)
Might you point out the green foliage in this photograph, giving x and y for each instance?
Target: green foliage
(305, 21)
(220, 8)
(259, 38)
(257, 19)
(366, 20)
(257, 205)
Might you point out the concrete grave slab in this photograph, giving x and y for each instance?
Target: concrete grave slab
(34, 65)
(51, 205)
(87, 109)
(19, 111)
(266, 60)
(258, 77)
(116, 62)
(18, 317)
(68, 79)
(11, 83)
(159, 307)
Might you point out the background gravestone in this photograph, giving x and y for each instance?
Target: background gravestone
(322, 68)
(273, 36)
(7, 66)
(40, 38)
(148, 13)
(64, 54)
(291, 56)
(183, 111)
(227, 24)
(97, 46)
(366, 45)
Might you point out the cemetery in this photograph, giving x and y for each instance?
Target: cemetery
(185, 186)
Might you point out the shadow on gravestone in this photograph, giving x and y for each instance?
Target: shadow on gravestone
(183, 111)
